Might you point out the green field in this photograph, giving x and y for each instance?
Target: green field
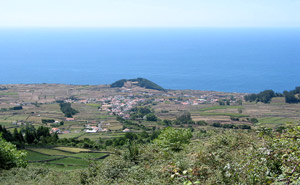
(220, 107)
(69, 161)
(8, 93)
(223, 114)
(55, 158)
(49, 151)
(94, 105)
(69, 149)
(34, 156)
(276, 120)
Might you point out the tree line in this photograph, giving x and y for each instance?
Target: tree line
(267, 95)
(67, 109)
(29, 135)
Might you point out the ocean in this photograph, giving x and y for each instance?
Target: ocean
(218, 59)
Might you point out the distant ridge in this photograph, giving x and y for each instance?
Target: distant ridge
(141, 82)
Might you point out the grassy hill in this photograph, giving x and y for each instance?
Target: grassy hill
(141, 82)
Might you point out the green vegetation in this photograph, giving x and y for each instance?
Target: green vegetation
(264, 156)
(139, 112)
(33, 156)
(8, 93)
(220, 107)
(67, 109)
(292, 96)
(187, 141)
(69, 158)
(173, 139)
(184, 118)
(142, 82)
(275, 120)
(119, 83)
(49, 151)
(69, 149)
(45, 121)
(264, 96)
(9, 156)
(237, 115)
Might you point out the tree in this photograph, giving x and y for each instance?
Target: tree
(266, 96)
(185, 118)
(29, 135)
(254, 120)
(173, 139)
(6, 134)
(67, 109)
(290, 98)
(10, 157)
(151, 117)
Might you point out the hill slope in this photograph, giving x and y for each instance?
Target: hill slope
(141, 82)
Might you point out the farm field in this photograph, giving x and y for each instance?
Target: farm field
(62, 157)
(102, 105)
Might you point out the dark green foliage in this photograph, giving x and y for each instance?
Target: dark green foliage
(42, 131)
(173, 139)
(130, 136)
(290, 97)
(18, 137)
(133, 125)
(119, 83)
(221, 102)
(264, 96)
(142, 82)
(234, 118)
(241, 157)
(203, 123)
(251, 97)
(139, 112)
(230, 126)
(166, 122)
(45, 121)
(9, 155)
(216, 125)
(151, 117)
(6, 134)
(67, 109)
(133, 152)
(243, 126)
(184, 118)
(253, 120)
(16, 108)
(30, 135)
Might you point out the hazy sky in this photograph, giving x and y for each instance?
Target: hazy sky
(150, 13)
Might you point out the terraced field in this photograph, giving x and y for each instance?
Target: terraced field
(63, 157)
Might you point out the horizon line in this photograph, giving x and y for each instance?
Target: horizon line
(138, 27)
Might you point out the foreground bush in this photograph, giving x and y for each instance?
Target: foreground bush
(229, 157)
(173, 139)
(9, 156)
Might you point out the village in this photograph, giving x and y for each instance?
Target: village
(39, 103)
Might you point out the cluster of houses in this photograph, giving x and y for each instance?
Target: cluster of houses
(95, 129)
(120, 105)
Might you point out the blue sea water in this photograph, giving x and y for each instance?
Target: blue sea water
(220, 59)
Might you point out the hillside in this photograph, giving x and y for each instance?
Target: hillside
(141, 82)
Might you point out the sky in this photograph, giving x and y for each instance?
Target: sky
(149, 13)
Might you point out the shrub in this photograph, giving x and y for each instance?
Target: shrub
(173, 139)
(10, 157)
